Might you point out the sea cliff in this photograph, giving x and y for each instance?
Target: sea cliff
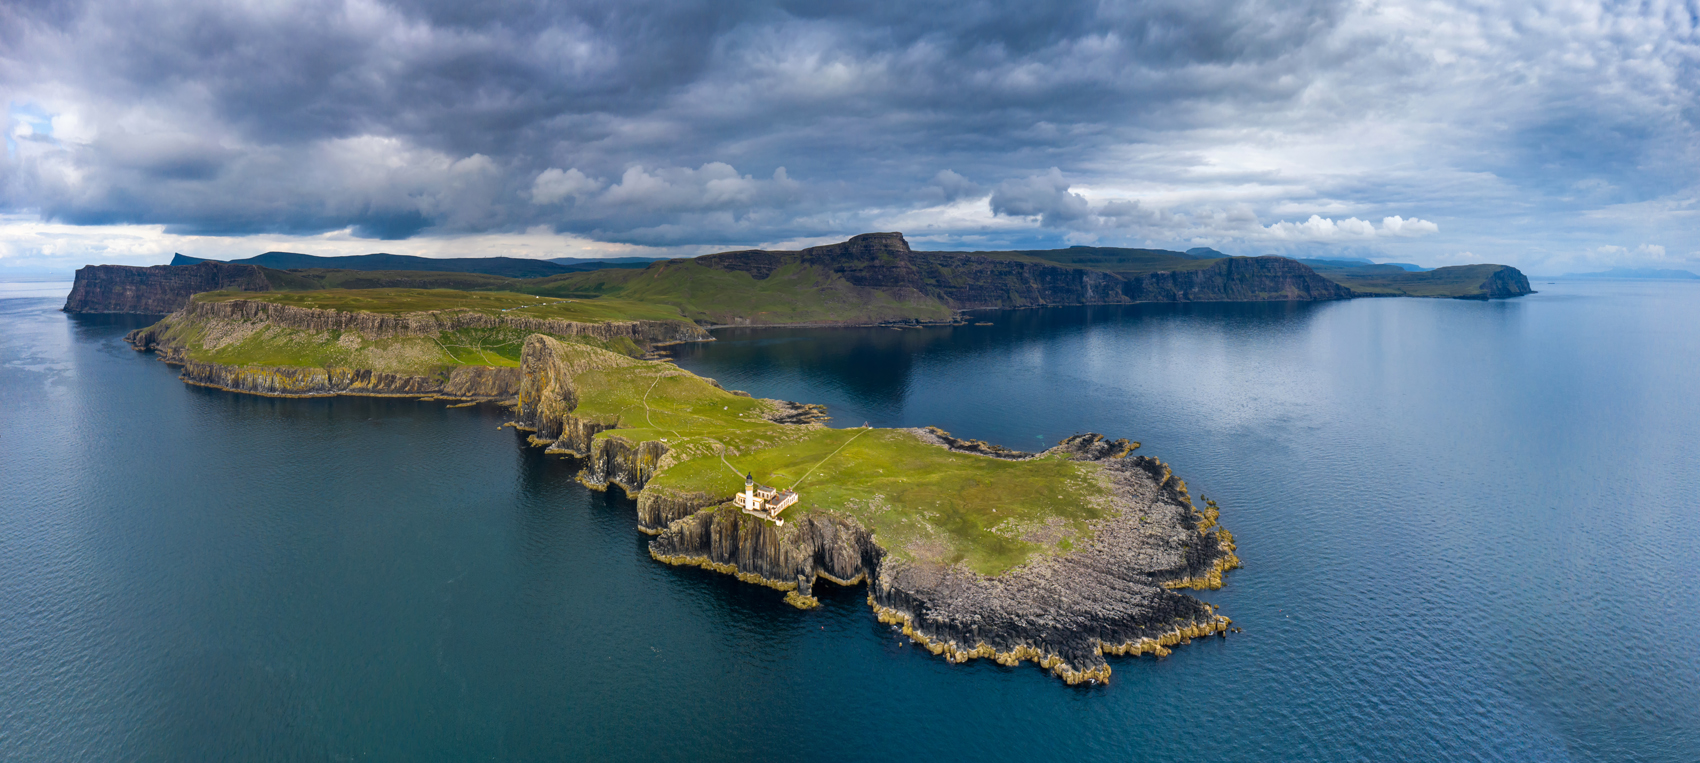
(966, 280)
(374, 326)
(973, 550)
(156, 290)
(1114, 594)
(394, 354)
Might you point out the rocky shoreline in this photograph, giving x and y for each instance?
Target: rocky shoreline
(1064, 612)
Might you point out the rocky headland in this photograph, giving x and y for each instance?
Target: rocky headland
(1112, 593)
(156, 290)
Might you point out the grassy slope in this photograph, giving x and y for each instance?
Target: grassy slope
(923, 502)
(253, 344)
(1456, 281)
(1111, 259)
(391, 301)
(792, 294)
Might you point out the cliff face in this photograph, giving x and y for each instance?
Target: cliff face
(1506, 282)
(1063, 612)
(884, 261)
(788, 557)
(389, 325)
(467, 382)
(156, 290)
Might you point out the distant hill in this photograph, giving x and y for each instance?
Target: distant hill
(871, 278)
(1679, 275)
(508, 267)
(597, 263)
(876, 277)
(1391, 279)
(1358, 262)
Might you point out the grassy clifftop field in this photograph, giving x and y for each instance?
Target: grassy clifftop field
(395, 301)
(417, 332)
(924, 502)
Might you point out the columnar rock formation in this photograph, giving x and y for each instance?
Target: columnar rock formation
(1065, 612)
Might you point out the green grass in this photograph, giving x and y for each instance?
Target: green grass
(259, 344)
(1456, 281)
(794, 293)
(922, 501)
(395, 300)
(1110, 259)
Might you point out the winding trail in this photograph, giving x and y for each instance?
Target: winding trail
(865, 429)
(646, 417)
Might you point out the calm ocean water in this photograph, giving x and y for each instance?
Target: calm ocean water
(1470, 531)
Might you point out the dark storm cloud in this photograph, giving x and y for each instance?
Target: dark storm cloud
(737, 122)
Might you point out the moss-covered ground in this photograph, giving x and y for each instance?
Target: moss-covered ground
(922, 501)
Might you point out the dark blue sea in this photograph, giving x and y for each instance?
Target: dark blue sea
(1471, 531)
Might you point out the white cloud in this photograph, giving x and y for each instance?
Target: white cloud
(553, 185)
(1324, 229)
(1399, 226)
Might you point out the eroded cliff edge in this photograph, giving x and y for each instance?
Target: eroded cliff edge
(1113, 594)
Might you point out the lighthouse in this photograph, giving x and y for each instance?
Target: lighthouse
(763, 501)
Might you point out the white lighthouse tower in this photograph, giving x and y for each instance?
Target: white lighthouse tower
(763, 501)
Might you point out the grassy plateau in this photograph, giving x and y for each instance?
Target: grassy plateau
(922, 501)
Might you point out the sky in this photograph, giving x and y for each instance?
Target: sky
(1552, 136)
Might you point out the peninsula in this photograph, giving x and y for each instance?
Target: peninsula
(1059, 558)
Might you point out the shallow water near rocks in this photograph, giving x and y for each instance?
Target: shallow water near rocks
(1470, 532)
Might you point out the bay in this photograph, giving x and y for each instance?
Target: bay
(1470, 533)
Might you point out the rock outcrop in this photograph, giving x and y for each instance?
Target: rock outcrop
(156, 290)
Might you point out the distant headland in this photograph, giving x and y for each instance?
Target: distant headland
(1639, 273)
(871, 278)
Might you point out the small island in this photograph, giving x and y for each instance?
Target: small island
(973, 550)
